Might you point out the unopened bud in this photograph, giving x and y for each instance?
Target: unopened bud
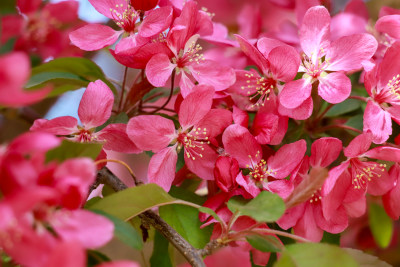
(225, 172)
(144, 5)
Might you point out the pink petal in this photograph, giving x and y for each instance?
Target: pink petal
(385, 153)
(192, 110)
(28, 6)
(159, 69)
(307, 225)
(202, 166)
(336, 224)
(106, 7)
(91, 230)
(380, 185)
(156, 21)
(96, 104)
(130, 44)
(64, 12)
(215, 121)
(334, 175)
(389, 25)
(253, 53)
(119, 263)
(284, 62)
(150, 132)
(391, 200)
(295, 93)
(286, 159)
(265, 45)
(93, 37)
(212, 73)
(390, 65)
(324, 151)
(377, 122)
(385, 11)
(67, 254)
(240, 117)
(357, 208)
(302, 112)
(314, 32)
(12, 25)
(117, 139)
(265, 126)
(347, 53)
(334, 88)
(64, 125)
(162, 167)
(283, 187)
(358, 146)
(248, 184)
(357, 7)
(291, 216)
(332, 201)
(241, 145)
(356, 25)
(33, 142)
(186, 84)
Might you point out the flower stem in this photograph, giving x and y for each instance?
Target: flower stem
(122, 90)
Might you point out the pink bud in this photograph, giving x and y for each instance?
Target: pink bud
(225, 172)
(144, 5)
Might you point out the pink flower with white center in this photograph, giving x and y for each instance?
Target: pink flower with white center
(13, 76)
(278, 64)
(199, 124)
(94, 110)
(241, 145)
(136, 33)
(383, 85)
(366, 176)
(325, 61)
(185, 58)
(308, 219)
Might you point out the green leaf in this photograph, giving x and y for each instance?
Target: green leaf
(355, 122)
(7, 7)
(211, 212)
(120, 118)
(69, 149)
(95, 258)
(343, 108)
(131, 202)
(185, 220)
(181, 160)
(160, 256)
(67, 73)
(266, 207)
(265, 243)
(7, 46)
(315, 255)
(124, 231)
(185, 194)
(381, 225)
(366, 260)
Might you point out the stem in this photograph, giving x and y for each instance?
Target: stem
(323, 114)
(192, 255)
(166, 109)
(122, 90)
(276, 232)
(134, 82)
(341, 126)
(170, 93)
(365, 99)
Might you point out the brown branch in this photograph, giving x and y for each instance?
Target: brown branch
(192, 255)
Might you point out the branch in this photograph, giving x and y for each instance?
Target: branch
(192, 255)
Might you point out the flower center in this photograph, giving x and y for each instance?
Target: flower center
(363, 172)
(315, 197)
(258, 89)
(315, 67)
(258, 168)
(189, 57)
(125, 17)
(193, 142)
(84, 136)
(394, 86)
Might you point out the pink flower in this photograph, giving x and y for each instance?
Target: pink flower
(13, 76)
(382, 84)
(184, 56)
(42, 31)
(242, 146)
(95, 36)
(199, 124)
(94, 110)
(325, 61)
(391, 200)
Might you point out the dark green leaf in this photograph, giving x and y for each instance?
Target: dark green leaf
(124, 231)
(355, 122)
(160, 256)
(266, 207)
(265, 243)
(381, 225)
(210, 212)
(315, 255)
(8, 46)
(181, 160)
(7, 7)
(131, 202)
(185, 220)
(67, 73)
(69, 149)
(366, 260)
(343, 108)
(96, 257)
(184, 194)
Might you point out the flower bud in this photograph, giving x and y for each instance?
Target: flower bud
(225, 172)
(144, 5)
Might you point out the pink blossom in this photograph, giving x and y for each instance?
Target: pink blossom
(94, 110)
(13, 76)
(199, 124)
(321, 55)
(391, 199)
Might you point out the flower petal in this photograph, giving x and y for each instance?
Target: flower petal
(324, 151)
(389, 25)
(377, 122)
(162, 168)
(156, 21)
(93, 37)
(253, 53)
(117, 139)
(358, 146)
(212, 73)
(159, 69)
(295, 93)
(284, 62)
(334, 88)
(64, 125)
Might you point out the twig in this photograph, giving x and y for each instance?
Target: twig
(170, 93)
(122, 90)
(191, 254)
(340, 126)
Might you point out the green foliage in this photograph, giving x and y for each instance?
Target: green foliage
(355, 122)
(264, 243)
(266, 207)
(185, 220)
(131, 202)
(124, 231)
(364, 259)
(95, 257)
(160, 256)
(66, 74)
(69, 149)
(343, 108)
(120, 118)
(315, 255)
(381, 225)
